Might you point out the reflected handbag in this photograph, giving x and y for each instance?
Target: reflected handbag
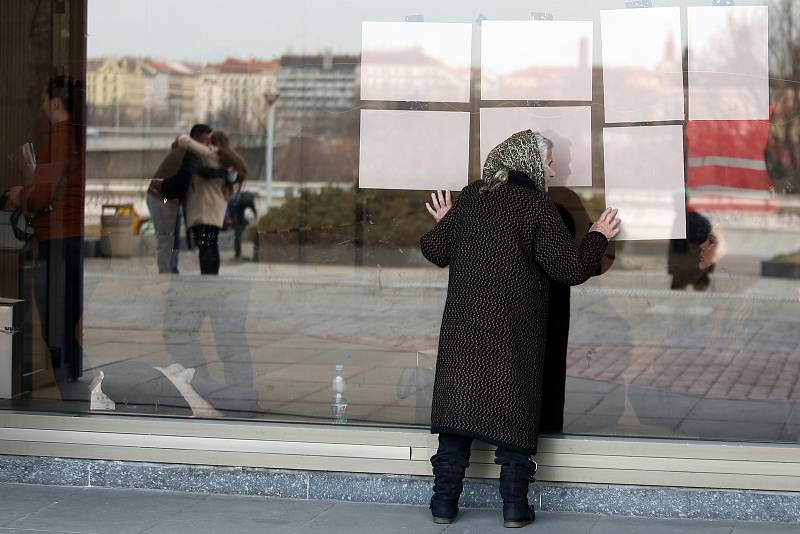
(16, 231)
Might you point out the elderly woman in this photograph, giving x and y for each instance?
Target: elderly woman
(503, 240)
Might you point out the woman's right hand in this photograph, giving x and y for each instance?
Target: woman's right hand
(607, 224)
(440, 204)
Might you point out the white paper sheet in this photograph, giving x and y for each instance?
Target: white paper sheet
(644, 180)
(570, 129)
(642, 67)
(728, 63)
(422, 150)
(536, 60)
(416, 61)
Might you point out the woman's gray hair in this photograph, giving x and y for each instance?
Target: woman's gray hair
(543, 144)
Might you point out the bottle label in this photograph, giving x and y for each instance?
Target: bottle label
(339, 412)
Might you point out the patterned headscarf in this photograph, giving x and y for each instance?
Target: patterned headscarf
(520, 152)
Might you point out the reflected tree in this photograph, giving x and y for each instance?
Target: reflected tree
(782, 154)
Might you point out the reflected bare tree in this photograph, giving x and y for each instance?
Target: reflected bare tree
(782, 153)
(784, 39)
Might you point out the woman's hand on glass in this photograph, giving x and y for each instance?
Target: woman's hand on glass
(440, 204)
(607, 224)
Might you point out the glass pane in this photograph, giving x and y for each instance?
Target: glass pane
(689, 332)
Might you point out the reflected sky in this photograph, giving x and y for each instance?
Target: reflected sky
(211, 31)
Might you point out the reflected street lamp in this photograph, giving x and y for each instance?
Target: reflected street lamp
(271, 98)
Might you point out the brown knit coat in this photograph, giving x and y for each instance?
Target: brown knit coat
(502, 248)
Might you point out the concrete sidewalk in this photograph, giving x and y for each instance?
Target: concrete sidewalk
(62, 510)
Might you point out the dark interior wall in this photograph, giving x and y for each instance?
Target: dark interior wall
(38, 38)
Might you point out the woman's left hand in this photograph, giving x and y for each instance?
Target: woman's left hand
(441, 204)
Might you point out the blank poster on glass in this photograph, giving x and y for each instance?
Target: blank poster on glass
(416, 61)
(536, 60)
(570, 129)
(642, 66)
(644, 180)
(422, 150)
(728, 63)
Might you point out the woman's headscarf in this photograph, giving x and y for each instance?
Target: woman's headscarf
(520, 152)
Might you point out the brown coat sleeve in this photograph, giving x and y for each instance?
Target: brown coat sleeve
(171, 164)
(437, 243)
(574, 205)
(557, 254)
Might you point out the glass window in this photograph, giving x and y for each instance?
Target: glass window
(227, 294)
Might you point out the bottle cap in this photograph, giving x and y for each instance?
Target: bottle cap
(339, 367)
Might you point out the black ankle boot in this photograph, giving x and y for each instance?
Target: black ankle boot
(448, 482)
(514, 480)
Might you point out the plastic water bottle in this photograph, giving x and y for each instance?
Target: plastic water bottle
(339, 404)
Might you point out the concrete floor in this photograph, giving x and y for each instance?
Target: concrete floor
(65, 510)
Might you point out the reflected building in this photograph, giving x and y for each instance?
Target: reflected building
(139, 92)
(231, 93)
(319, 96)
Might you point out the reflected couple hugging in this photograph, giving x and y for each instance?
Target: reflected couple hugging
(198, 177)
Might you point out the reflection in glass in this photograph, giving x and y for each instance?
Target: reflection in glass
(331, 273)
(569, 128)
(642, 72)
(416, 61)
(644, 180)
(728, 67)
(419, 150)
(536, 60)
(725, 156)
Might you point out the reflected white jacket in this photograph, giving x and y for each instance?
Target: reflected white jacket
(205, 200)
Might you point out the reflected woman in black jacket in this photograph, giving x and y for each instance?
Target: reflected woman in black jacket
(572, 211)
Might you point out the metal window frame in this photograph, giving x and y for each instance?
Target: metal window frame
(399, 451)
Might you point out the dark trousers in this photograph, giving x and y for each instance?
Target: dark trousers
(554, 375)
(238, 232)
(205, 237)
(58, 290)
(455, 451)
(176, 245)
